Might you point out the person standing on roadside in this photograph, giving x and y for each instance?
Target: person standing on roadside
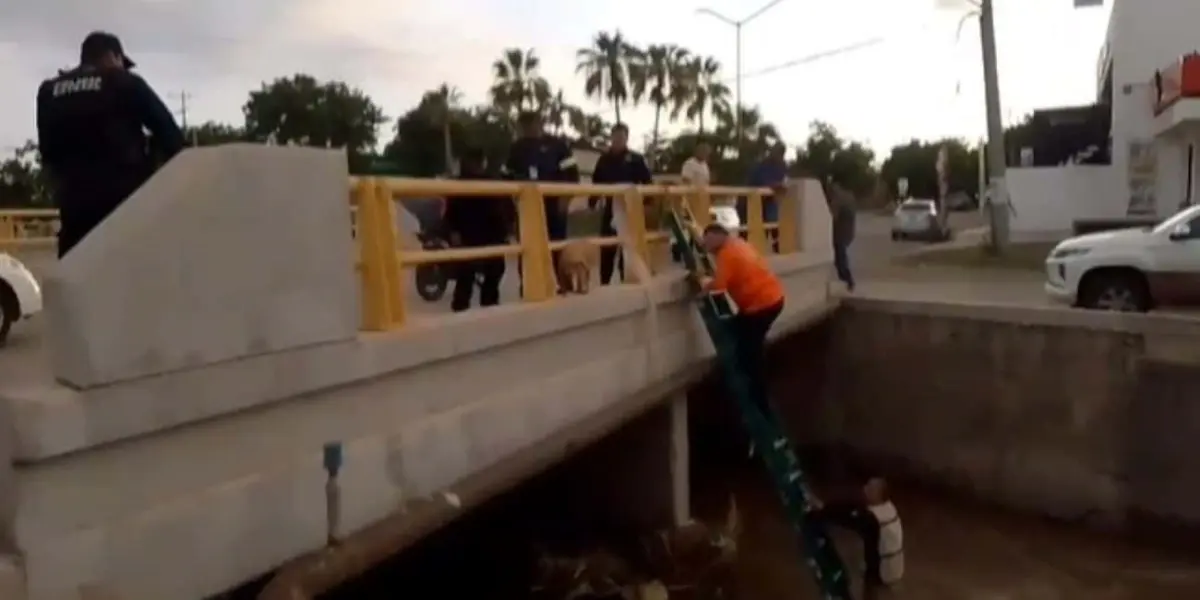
(770, 173)
(618, 164)
(474, 223)
(843, 213)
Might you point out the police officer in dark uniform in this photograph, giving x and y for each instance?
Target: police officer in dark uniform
(90, 123)
(535, 156)
(473, 223)
(618, 165)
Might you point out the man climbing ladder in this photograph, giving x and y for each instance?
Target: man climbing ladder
(743, 274)
(741, 299)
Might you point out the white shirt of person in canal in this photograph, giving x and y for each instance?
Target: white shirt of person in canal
(891, 532)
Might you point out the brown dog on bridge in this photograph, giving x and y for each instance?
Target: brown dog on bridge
(575, 263)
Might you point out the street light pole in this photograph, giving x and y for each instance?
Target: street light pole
(997, 157)
(737, 86)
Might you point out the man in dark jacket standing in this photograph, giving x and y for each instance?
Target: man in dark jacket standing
(90, 122)
(843, 213)
(473, 223)
(536, 156)
(617, 165)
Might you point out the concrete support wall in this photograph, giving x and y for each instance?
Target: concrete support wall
(226, 252)
(420, 412)
(1071, 414)
(638, 477)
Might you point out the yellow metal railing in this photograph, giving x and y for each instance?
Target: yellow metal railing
(29, 227)
(382, 258)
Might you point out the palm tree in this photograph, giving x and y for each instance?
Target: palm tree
(590, 128)
(707, 93)
(517, 81)
(557, 112)
(607, 66)
(662, 80)
(447, 97)
(758, 135)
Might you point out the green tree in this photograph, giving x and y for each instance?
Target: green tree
(916, 161)
(590, 129)
(22, 181)
(826, 156)
(301, 110)
(663, 82)
(416, 147)
(211, 133)
(609, 66)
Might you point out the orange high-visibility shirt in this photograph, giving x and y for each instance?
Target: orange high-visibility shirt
(743, 273)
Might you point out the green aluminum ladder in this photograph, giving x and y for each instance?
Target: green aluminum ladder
(765, 431)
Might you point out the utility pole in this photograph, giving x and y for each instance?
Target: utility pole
(184, 96)
(737, 85)
(998, 201)
(183, 108)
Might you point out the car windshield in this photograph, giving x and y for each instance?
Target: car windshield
(1174, 220)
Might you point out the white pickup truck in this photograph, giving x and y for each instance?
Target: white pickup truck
(1131, 270)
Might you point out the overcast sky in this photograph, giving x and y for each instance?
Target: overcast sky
(917, 82)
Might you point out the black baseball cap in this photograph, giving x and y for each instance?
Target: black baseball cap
(98, 43)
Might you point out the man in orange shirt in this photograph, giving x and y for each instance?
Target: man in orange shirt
(743, 274)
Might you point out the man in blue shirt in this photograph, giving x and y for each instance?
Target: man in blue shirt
(770, 173)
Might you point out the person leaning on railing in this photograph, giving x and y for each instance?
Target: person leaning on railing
(536, 156)
(90, 122)
(618, 164)
(476, 223)
(744, 275)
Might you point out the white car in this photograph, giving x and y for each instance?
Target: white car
(918, 220)
(1130, 270)
(20, 294)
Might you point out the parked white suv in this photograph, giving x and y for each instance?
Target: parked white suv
(1131, 270)
(20, 294)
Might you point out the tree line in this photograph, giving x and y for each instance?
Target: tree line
(682, 87)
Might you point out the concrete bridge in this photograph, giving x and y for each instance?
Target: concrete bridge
(206, 344)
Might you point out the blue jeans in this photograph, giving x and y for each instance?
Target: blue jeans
(841, 264)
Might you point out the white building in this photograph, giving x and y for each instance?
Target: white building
(1148, 79)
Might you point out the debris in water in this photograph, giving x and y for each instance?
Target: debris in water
(452, 499)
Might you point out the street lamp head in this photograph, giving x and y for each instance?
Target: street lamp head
(716, 15)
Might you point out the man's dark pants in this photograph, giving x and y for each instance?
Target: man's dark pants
(750, 333)
(487, 272)
(611, 257)
(85, 202)
(858, 519)
(841, 263)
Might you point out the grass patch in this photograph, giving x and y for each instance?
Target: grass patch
(1024, 257)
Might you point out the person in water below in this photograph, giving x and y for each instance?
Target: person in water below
(871, 515)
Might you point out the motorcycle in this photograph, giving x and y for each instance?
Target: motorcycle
(432, 278)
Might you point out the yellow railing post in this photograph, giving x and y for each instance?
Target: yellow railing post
(635, 219)
(701, 203)
(755, 232)
(789, 213)
(386, 214)
(375, 315)
(538, 280)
